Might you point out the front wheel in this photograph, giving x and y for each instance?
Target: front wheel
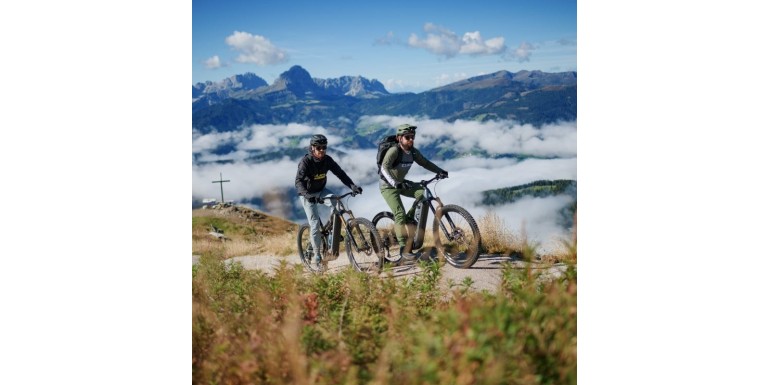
(457, 236)
(364, 246)
(305, 246)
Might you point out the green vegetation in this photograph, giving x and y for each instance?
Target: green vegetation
(352, 328)
(250, 327)
(539, 189)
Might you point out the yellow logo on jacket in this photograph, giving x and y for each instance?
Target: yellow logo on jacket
(319, 176)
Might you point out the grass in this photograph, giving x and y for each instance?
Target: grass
(289, 326)
(496, 238)
(352, 328)
(248, 232)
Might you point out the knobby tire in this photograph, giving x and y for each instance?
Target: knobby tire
(305, 247)
(364, 246)
(385, 225)
(461, 249)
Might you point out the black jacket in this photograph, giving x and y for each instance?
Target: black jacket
(311, 174)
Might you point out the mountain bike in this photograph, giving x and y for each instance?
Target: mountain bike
(455, 233)
(361, 240)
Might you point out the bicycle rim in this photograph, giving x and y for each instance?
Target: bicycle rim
(457, 236)
(386, 227)
(304, 246)
(364, 246)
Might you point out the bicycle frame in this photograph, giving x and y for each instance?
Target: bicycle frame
(422, 206)
(333, 228)
(363, 244)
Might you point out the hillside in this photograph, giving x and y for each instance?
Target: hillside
(536, 189)
(246, 231)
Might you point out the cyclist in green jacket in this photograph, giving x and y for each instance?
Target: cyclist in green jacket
(395, 165)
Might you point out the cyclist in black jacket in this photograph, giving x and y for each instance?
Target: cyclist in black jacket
(311, 187)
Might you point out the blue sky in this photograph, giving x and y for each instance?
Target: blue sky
(407, 45)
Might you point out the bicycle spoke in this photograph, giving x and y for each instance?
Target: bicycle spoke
(457, 236)
(364, 245)
(386, 228)
(305, 247)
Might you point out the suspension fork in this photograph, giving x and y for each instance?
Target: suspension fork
(440, 222)
(350, 230)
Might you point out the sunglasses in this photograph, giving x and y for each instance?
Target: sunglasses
(320, 148)
(409, 137)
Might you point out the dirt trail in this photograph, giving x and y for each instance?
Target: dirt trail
(485, 273)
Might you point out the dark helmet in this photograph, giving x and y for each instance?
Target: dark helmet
(405, 129)
(317, 140)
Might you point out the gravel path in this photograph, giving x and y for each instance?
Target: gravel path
(485, 273)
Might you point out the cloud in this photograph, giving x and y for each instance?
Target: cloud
(444, 42)
(256, 137)
(398, 85)
(522, 53)
(212, 62)
(246, 180)
(255, 49)
(473, 44)
(469, 175)
(540, 218)
(447, 78)
(388, 39)
(210, 142)
(494, 137)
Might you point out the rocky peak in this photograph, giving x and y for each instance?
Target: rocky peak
(297, 81)
(247, 81)
(225, 87)
(355, 86)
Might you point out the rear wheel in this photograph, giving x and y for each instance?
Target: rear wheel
(364, 246)
(386, 227)
(457, 236)
(305, 247)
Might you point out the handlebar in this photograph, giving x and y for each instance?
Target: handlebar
(336, 197)
(425, 183)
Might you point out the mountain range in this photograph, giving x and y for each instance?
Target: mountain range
(533, 97)
(338, 104)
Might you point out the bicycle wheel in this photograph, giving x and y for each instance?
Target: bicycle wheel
(305, 247)
(364, 246)
(457, 236)
(386, 227)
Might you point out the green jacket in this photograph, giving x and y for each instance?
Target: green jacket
(396, 173)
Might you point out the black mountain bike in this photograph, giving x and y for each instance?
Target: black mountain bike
(455, 233)
(361, 240)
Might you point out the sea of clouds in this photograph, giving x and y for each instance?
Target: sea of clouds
(553, 145)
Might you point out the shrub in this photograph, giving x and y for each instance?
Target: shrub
(350, 328)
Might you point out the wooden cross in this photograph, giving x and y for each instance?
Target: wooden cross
(221, 189)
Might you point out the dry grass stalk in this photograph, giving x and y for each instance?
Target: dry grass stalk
(496, 238)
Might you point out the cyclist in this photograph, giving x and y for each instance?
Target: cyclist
(311, 187)
(395, 165)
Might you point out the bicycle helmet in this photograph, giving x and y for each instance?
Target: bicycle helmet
(318, 140)
(405, 129)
